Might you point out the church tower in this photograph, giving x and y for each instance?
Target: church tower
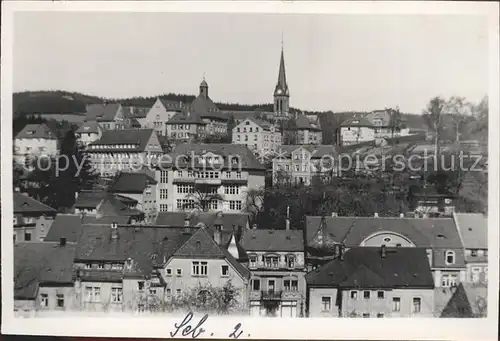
(281, 92)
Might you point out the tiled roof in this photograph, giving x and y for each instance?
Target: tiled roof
(261, 123)
(365, 267)
(36, 131)
(108, 204)
(137, 137)
(204, 106)
(25, 204)
(248, 160)
(102, 112)
(301, 122)
(135, 112)
(202, 245)
(317, 151)
(70, 226)
(473, 228)
(147, 246)
(186, 118)
(209, 219)
(437, 233)
(89, 199)
(467, 301)
(89, 127)
(171, 105)
(127, 182)
(382, 115)
(38, 263)
(273, 240)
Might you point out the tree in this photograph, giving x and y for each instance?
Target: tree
(433, 115)
(395, 121)
(253, 202)
(459, 110)
(203, 195)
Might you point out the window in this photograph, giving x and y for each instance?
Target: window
(256, 284)
(235, 205)
(169, 272)
(253, 260)
(271, 261)
(366, 315)
(185, 189)
(178, 292)
(93, 294)
(396, 304)
(473, 252)
(100, 266)
(485, 253)
(290, 261)
(380, 294)
(152, 291)
(163, 193)
(179, 272)
(163, 177)
(169, 292)
(450, 257)
(380, 315)
(225, 270)
(238, 175)
(286, 285)
(27, 236)
(326, 302)
(163, 207)
(116, 295)
(475, 274)
(200, 268)
(60, 300)
(295, 285)
(231, 189)
(417, 304)
(88, 266)
(366, 295)
(354, 295)
(44, 301)
(140, 285)
(448, 280)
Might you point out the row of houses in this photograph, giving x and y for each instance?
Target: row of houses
(336, 266)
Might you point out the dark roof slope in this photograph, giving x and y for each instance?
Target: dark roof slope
(209, 219)
(365, 267)
(36, 131)
(186, 118)
(357, 122)
(25, 204)
(89, 127)
(137, 137)
(473, 229)
(172, 105)
(38, 263)
(128, 182)
(273, 240)
(102, 112)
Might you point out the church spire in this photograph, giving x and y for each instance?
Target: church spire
(281, 92)
(281, 84)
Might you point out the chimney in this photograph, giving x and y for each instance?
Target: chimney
(375, 215)
(114, 230)
(383, 251)
(218, 237)
(254, 227)
(62, 241)
(334, 214)
(342, 251)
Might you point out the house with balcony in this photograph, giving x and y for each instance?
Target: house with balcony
(439, 236)
(372, 282)
(139, 187)
(32, 219)
(277, 265)
(209, 177)
(202, 263)
(110, 116)
(303, 130)
(35, 140)
(473, 230)
(88, 132)
(124, 149)
(301, 165)
(43, 280)
(159, 114)
(261, 137)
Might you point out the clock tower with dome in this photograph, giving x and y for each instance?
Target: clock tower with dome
(281, 92)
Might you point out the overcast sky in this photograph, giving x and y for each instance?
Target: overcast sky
(333, 62)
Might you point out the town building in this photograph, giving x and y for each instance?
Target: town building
(209, 177)
(356, 130)
(35, 140)
(139, 187)
(200, 263)
(125, 149)
(186, 126)
(372, 282)
(32, 219)
(159, 114)
(301, 165)
(43, 280)
(439, 236)
(303, 130)
(277, 265)
(88, 132)
(110, 116)
(473, 229)
(261, 137)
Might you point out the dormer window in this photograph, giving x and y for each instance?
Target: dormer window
(253, 260)
(450, 257)
(218, 227)
(290, 261)
(271, 261)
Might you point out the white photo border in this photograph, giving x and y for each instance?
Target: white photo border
(254, 328)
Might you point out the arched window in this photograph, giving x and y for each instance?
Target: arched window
(449, 257)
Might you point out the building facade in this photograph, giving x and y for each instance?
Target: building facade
(356, 130)
(34, 140)
(32, 219)
(110, 116)
(88, 132)
(261, 137)
(159, 114)
(303, 130)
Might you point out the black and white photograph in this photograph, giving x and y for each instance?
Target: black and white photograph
(250, 171)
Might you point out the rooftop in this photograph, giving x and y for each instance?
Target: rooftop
(128, 182)
(25, 204)
(273, 240)
(36, 131)
(137, 138)
(102, 112)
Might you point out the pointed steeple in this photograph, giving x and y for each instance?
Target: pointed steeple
(281, 86)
